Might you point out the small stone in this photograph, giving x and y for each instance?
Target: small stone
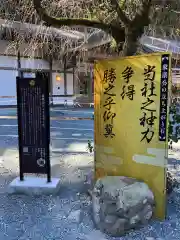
(75, 216)
(89, 192)
(118, 229)
(96, 204)
(96, 209)
(134, 220)
(148, 215)
(96, 191)
(89, 178)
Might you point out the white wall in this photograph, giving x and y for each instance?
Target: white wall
(8, 82)
(8, 78)
(58, 84)
(6, 61)
(34, 63)
(70, 84)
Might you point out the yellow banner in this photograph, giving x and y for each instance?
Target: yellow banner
(131, 114)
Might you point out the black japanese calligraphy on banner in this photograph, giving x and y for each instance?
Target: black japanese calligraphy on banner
(148, 108)
(163, 97)
(33, 125)
(128, 89)
(109, 80)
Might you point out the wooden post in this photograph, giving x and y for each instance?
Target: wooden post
(65, 75)
(51, 81)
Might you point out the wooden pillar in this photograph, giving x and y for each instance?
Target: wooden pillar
(91, 84)
(74, 82)
(65, 76)
(20, 74)
(51, 82)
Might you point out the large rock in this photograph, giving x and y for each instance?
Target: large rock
(120, 204)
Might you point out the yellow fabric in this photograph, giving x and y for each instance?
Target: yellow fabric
(124, 153)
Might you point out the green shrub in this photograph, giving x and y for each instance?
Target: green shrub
(90, 147)
(174, 118)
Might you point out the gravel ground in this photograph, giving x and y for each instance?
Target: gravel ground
(67, 216)
(64, 216)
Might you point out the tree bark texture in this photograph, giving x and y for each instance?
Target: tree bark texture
(126, 33)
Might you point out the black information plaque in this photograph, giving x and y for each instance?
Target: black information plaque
(33, 125)
(165, 64)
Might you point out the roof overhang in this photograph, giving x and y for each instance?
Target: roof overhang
(152, 44)
(87, 39)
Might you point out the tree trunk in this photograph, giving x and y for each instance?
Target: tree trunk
(130, 45)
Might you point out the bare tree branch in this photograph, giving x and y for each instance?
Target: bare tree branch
(142, 18)
(59, 22)
(70, 15)
(135, 29)
(124, 19)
